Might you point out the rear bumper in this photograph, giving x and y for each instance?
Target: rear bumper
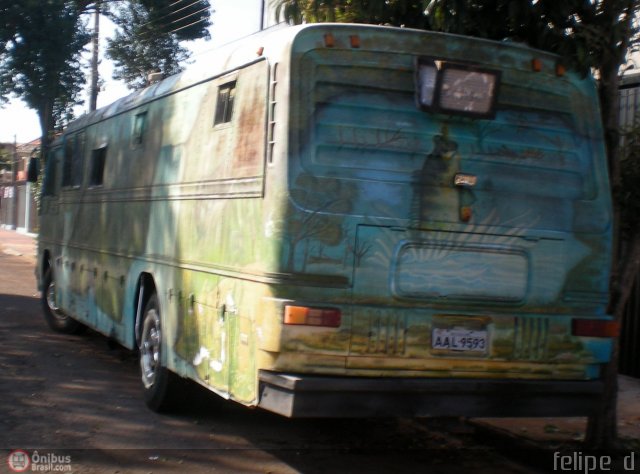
(311, 396)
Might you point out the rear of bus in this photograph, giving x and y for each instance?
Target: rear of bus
(447, 230)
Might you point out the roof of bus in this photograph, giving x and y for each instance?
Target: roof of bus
(271, 43)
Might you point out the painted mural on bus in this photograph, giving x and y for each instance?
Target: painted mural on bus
(344, 220)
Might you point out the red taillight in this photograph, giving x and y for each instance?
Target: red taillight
(302, 315)
(595, 328)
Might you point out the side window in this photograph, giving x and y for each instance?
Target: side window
(224, 104)
(98, 159)
(50, 183)
(67, 165)
(73, 160)
(139, 128)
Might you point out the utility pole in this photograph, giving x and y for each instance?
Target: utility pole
(14, 176)
(95, 42)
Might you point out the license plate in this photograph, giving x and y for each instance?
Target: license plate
(462, 340)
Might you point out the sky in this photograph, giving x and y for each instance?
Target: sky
(231, 19)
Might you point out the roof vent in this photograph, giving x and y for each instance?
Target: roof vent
(154, 77)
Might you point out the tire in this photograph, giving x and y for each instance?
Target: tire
(56, 319)
(161, 386)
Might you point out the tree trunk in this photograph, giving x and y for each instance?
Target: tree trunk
(95, 43)
(602, 426)
(45, 116)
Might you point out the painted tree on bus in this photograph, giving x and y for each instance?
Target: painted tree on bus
(321, 229)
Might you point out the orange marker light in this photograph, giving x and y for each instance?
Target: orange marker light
(536, 65)
(329, 41)
(355, 41)
(466, 213)
(561, 70)
(260, 51)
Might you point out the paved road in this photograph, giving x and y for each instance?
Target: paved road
(77, 396)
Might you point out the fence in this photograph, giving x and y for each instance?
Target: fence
(18, 208)
(630, 334)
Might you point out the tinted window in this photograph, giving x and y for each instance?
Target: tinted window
(224, 105)
(98, 159)
(73, 160)
(139, 128)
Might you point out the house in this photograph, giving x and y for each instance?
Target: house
(17, 204)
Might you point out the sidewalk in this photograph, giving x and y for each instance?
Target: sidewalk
(535, 429)
(18, 244)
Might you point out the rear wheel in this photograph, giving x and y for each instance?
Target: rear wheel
(56, 319)
(161, 386)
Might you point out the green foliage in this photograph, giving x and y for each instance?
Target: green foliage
(6, 158)
(586, 33)
(41, 43)
(409, 13)
(139, 47)
(149, 34)
(186, 19)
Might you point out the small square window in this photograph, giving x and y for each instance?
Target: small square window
(98, 159)
(139, 128)
(224, 105)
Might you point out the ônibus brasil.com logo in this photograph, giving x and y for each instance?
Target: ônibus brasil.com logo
(21, 461)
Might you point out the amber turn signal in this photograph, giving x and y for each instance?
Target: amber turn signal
(305, 316)
(536, 65)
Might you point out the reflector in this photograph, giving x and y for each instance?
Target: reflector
(595, 328)
(329, 42)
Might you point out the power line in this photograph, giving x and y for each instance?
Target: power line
(172, 13)
(187, 26)
(145, 30)
(187, 16)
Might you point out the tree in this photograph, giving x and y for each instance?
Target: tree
(40, 57)
(149, 34)
(41, 42)
(593, 35)
(187, 19)
(409, 13)
(6, 157)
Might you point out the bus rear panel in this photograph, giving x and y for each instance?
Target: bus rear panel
(450, 204)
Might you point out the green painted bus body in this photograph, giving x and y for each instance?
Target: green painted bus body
(329, 187)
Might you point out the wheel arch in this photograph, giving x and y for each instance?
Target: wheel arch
(145, 287)
(44, 265)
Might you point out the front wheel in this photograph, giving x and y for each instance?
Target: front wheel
(160, 385)
(56, 319)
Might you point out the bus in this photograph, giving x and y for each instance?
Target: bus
(338, 220)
